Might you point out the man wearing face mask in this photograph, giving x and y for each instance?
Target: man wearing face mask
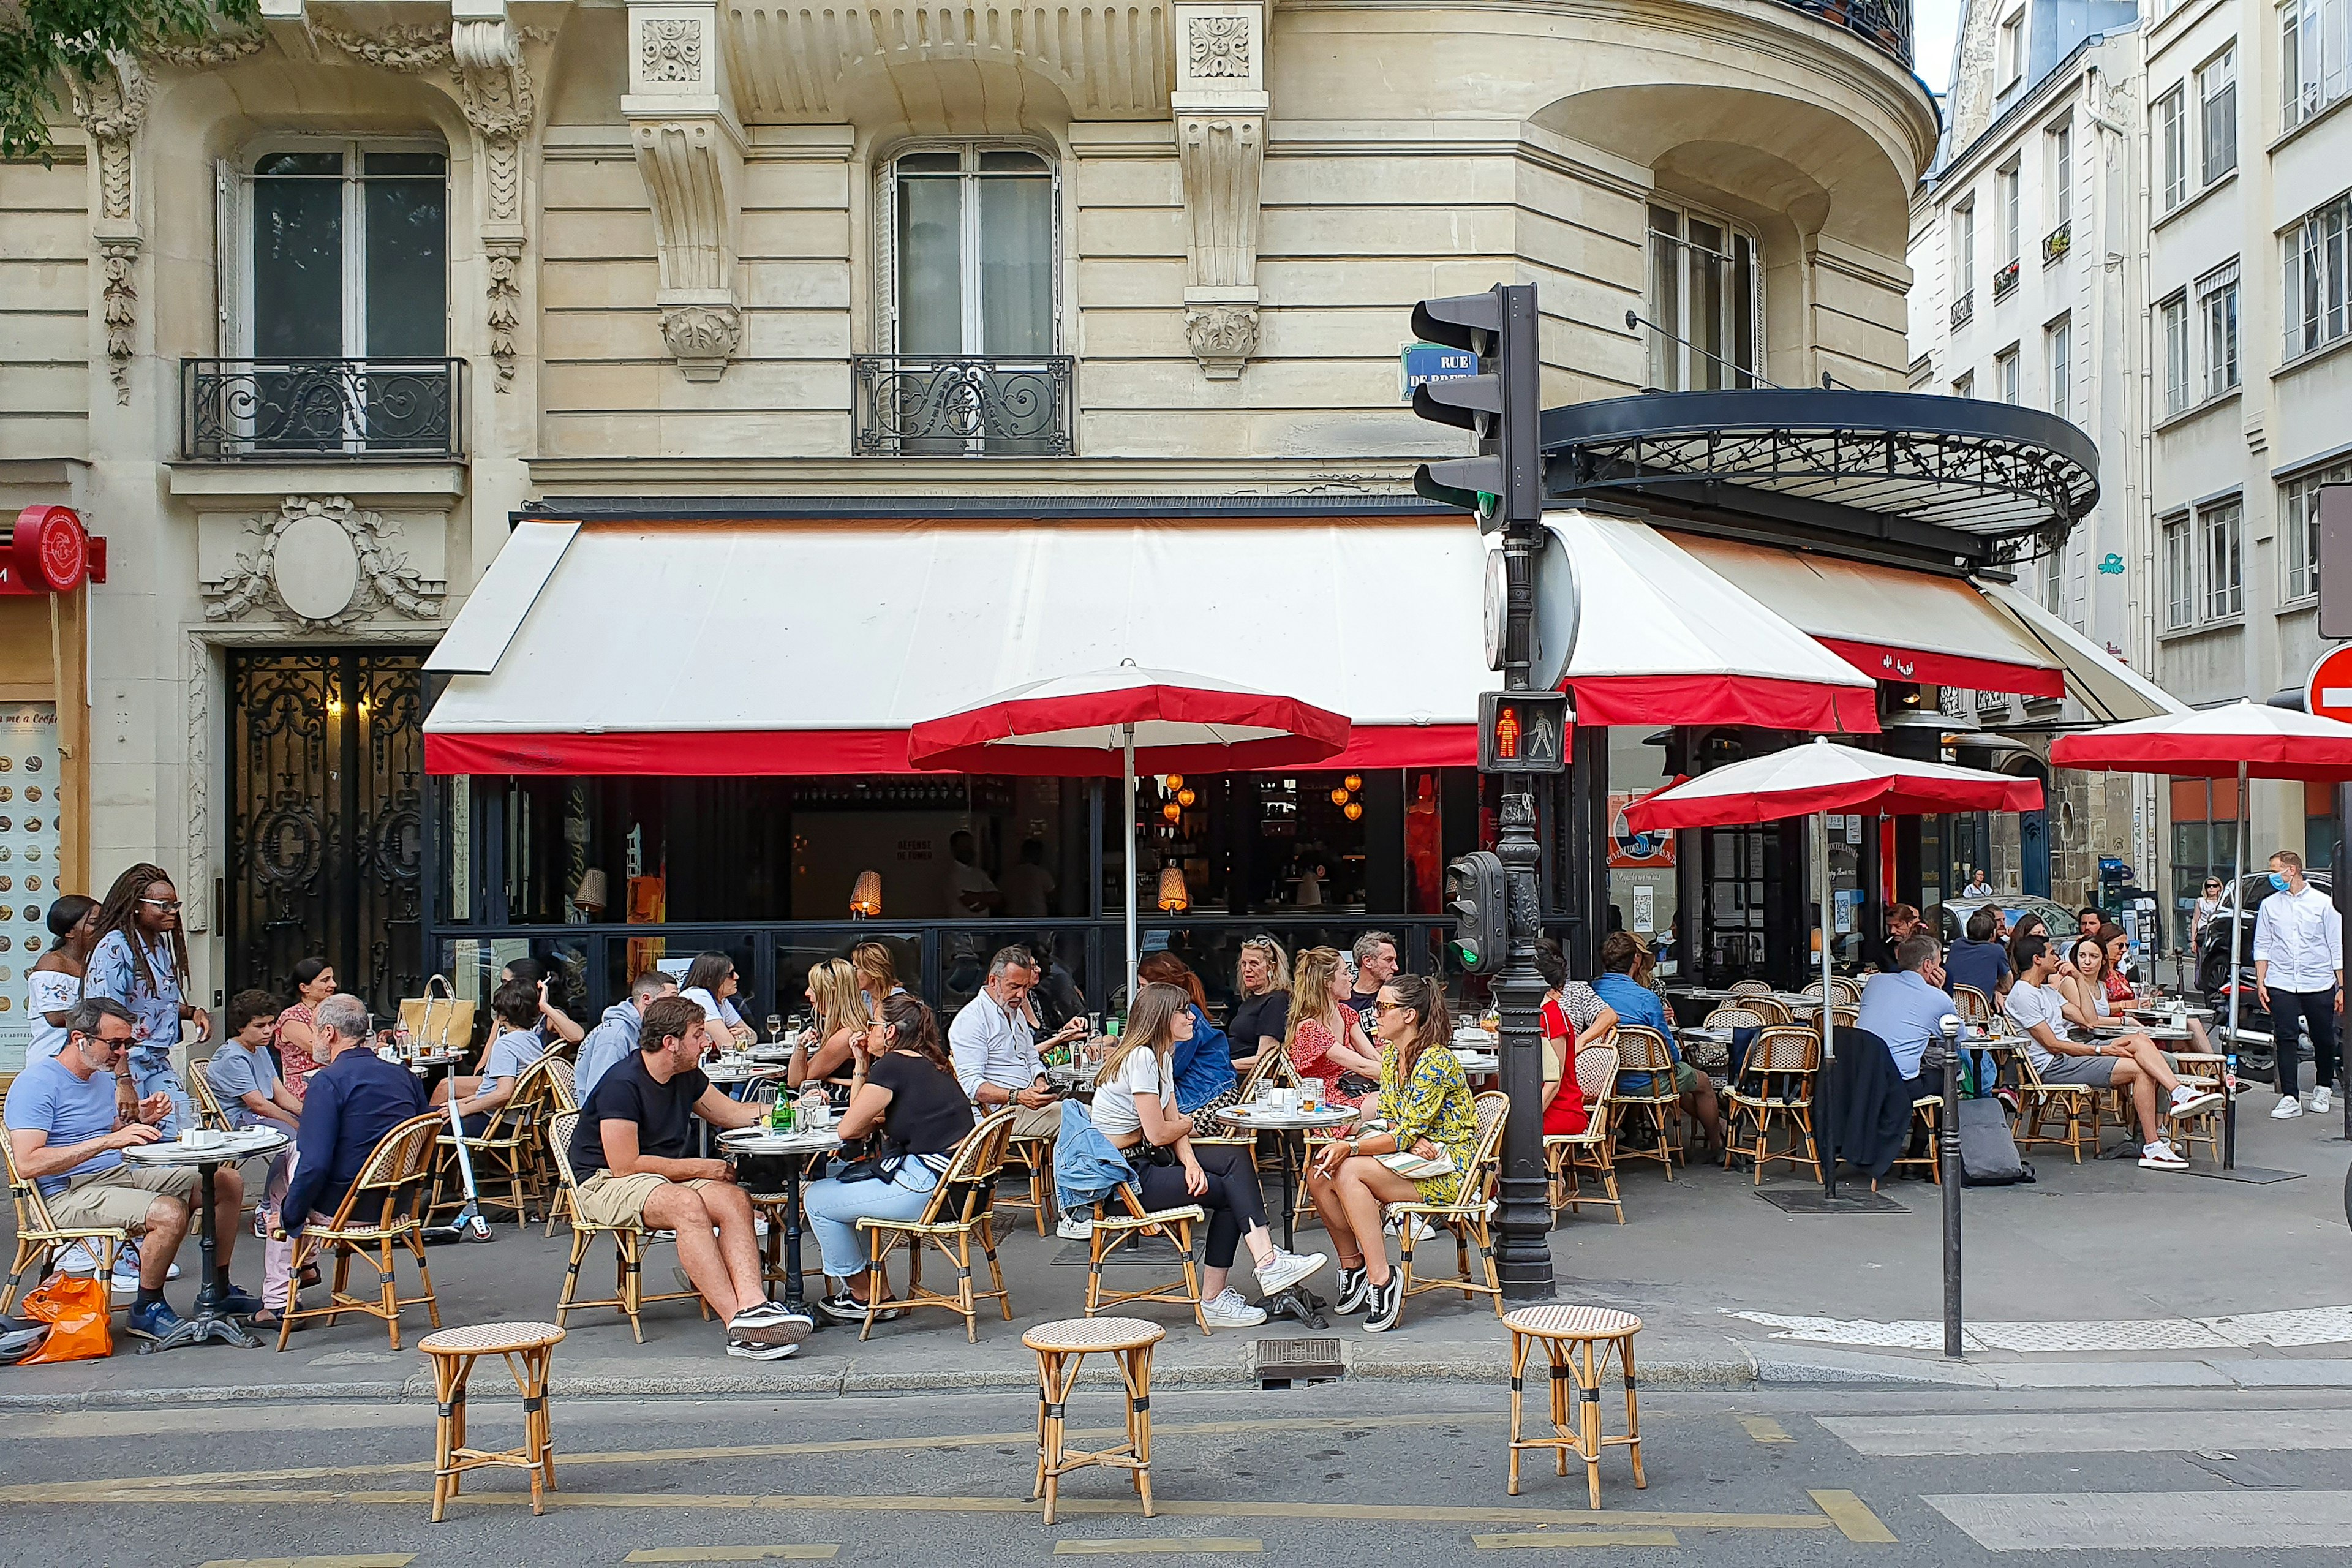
(2299, 976)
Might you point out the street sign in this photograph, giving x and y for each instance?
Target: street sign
(1419, 362)
(2328, 693)
(1523, 732)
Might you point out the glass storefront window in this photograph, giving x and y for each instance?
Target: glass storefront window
(1644, 894)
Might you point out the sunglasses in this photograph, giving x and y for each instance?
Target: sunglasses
(168, 906)
(1391, 1007)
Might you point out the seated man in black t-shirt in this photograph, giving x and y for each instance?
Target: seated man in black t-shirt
(629, 1152)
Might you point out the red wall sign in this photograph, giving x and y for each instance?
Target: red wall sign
(50, 553)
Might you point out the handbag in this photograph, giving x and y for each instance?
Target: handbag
(442, 1023)
(1356, 1083)
(75, 1308)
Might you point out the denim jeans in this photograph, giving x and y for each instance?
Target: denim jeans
(833, 1210)
(151, 1073)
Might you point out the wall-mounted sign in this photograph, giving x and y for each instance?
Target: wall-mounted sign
(47, 553)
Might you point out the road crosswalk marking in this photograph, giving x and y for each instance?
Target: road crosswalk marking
(792, 1552)
(1852, 1517)
(1764, 1430)
(2172, 1520)
(364, 1560)
(1567, 1539)
(1160, 1546)
(2091, 1432)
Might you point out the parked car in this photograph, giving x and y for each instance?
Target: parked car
(1951, 916)
(2214, 968)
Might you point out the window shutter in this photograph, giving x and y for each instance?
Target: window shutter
(229, 256)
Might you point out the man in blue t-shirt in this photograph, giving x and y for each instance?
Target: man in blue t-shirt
(243, 1078)
(62, 1131)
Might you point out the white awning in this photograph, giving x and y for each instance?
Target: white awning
(2110, 691)
(810, 646)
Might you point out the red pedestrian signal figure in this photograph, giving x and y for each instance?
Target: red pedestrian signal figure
(1507, 734)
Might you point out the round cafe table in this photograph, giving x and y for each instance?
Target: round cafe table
(784, 1158)
(1290, 1128)
(205, 1322)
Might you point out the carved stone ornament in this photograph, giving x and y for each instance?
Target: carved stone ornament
(669, 48)
(112, 105)
(1218, 46)
(321, 562)
(121, 300)
(211, 52)
(1222, 337)
(702, 338)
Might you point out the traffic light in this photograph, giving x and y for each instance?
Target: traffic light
(1480, 897)
(1523, 732)
(1503, 404)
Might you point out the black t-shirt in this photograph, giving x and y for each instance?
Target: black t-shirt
(1257, 1015)
(664, 1113)
(928, 1113)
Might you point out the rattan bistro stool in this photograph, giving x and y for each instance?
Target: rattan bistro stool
(1061, 1348)
(1570, 1335)
(528, 1347)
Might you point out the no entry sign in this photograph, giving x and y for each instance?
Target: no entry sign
(2329, 695)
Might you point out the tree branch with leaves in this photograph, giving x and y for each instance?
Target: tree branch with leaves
(45, 44)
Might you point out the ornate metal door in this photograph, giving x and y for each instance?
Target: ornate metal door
(326, 776)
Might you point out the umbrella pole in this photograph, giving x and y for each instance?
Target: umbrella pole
(1127, 749)
(1824, 1137)
(2237, 934)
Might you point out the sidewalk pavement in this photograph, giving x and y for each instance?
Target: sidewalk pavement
(2103, 1252)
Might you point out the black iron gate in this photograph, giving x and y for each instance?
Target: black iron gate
(326, 769)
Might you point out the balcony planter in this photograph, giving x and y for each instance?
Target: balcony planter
(2004, 282)
(2057, 242)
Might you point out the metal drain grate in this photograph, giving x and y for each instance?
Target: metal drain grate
(1281, 1362)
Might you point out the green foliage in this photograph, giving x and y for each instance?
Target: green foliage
(43, 43)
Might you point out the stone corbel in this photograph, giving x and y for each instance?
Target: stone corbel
(1219, 106)
(689, 147)
(112, 108)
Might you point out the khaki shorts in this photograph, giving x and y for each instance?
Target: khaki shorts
(120, 1197)
(609, 1200)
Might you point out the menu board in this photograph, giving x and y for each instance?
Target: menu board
(28, 859)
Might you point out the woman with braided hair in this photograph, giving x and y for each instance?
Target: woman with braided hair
(141, 962)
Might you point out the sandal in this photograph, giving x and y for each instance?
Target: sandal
(267, 1318)
(309, 1275)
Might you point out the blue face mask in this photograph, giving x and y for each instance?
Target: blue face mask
(2278, 880)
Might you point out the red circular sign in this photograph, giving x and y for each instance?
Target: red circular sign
(50, 550)
(2328, 693)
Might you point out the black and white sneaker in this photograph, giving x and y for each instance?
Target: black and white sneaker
(1383, 1305)
(841, 1307)
(758, 1349)
(770, 1324)
(1353, 1287)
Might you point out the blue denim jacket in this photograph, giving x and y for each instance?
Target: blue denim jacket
(1204, 1065)
(1086, 1169)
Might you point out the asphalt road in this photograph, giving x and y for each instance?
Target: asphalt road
(1349, 1473)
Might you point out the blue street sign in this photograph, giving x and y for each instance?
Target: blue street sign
(1418, 363)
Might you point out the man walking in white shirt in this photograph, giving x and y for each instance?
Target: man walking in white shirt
(2299, 976)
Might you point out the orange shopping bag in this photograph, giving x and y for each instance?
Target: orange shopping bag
(75, 1308)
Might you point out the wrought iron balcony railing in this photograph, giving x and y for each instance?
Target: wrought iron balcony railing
(2004, 282)
(1964, 308)
(964, 405)
(1886, 23)
(244, 410)
(2057, 242)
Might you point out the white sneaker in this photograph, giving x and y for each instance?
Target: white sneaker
(1073, 1228)
(1421, 1229)
(1228, 1310)
(2319, 1100)
(1286, 1269)
(2160, 1156)
(126, 1257)
(2187, 1101)
(2287, 1109)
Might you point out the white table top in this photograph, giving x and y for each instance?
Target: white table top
(762, 1141)
(1479, 1061)
(1266, 1119)
(232, 1146)
(2153, 1031)
(718, 1074)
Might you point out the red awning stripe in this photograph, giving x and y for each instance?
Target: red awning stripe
(766, 753)
(956, 740)
(1702, 699)
(1886, 663)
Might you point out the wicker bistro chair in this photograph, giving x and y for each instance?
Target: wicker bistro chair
(1033, 1160)
(1594, 1149)
(1642, 1049)
(507, 1151)
(1110, 1232)
(378, 1213)
(628, 1294)
(1470, 1216)
(563, 1095)
(1775, 1086)
(210, 1112)
(1772, 1009)
(2199, 1071)
(1926, 1115)
(1972, 1004)
(1846, 993)
(40, 1239)
(1749, 988)
(2074, 1106)
(961, 1211)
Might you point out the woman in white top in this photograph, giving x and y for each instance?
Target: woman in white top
(841, 1010)
(710, 984)
(53, 984)
(1135, 1108)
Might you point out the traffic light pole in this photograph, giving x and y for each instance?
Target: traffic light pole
(1523, 1246)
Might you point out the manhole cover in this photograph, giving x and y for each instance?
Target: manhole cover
(1283, 1361)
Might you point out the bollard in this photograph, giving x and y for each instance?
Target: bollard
(1948, 1152)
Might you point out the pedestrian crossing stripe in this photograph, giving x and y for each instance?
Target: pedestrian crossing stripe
(1764, 1430)
(796, 1553)
(364, 1560)
(1567, 1539)
(1853, 1518)
(1161, 1546)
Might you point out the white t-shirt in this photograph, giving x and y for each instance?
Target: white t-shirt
(47, 991)
(2028, 1004)
(1143, 1072)
(718, 1018)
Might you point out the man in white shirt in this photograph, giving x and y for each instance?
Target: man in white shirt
(2034, 1005)
(2299, 976)
(994, 1046)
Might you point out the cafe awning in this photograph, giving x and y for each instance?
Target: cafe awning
(798, 645)
(2109, 691)
(1889, 623)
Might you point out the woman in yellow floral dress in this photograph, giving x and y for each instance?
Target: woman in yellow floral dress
(1425, 1106)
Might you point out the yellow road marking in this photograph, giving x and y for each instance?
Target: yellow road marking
(733, 1553)
(1587, 1538)
(364, 1560)
(88, 1493)
(1027, 1439)
(1854, 1521)
(1764, 1430)
(1159, 1545)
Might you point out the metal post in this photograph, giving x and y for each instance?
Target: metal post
(1523, 1246)
(1127, 751)
(1947, 1161)
(2342, 894)
(1825, 1096)
(2237, 936)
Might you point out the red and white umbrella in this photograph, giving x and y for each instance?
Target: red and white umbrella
(2243, 740)
(1817, 780)
(1107, 721)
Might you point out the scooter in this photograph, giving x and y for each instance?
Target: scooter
(469, 1224)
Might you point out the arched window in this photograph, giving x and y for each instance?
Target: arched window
(972, 270)
(1706, 302)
